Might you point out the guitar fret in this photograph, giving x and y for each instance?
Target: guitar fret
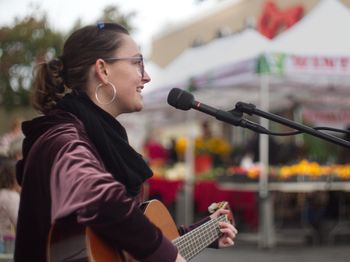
(195, 234)
(205, 241)
(185, 240)
(195, 241)
(211, 237)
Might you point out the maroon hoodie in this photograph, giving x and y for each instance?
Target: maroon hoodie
(62, 175)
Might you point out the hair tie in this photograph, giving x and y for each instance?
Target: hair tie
(100, 25)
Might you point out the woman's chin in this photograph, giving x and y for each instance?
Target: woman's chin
(138, 108)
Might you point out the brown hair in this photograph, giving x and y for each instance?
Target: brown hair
(69, 72)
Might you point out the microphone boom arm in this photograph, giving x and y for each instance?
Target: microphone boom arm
(232, 117)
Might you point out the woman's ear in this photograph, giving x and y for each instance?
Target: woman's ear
(101, 71)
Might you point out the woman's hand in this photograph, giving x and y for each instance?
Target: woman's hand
(229, 232)
(179, 258)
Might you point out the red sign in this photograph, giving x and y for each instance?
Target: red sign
(273, 20)
(316, 62)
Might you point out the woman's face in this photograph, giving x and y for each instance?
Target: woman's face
(126, 75)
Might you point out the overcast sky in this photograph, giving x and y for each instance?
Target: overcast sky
(152, 15)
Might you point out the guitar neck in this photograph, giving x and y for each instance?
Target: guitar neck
(192, 243)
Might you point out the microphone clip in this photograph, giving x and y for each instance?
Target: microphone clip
(245, 108)
(236, 113)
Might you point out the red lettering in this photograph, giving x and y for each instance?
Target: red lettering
(299, 61)
(328, 116)
(328, 62)
(344, 62)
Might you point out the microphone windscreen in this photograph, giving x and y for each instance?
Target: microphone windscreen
(180, 99)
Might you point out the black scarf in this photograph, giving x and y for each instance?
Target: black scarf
(110, 138)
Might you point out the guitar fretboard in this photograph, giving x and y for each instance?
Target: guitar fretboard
(190, 244)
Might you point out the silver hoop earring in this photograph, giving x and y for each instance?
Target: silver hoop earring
(114, 94)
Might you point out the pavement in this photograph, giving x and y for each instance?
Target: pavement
(244, 251)
(251, 253)
(247, 250)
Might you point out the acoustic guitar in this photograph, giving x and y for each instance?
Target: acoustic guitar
(68, 242)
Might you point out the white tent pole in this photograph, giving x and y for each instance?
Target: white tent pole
(266, 228)
(189, 176)
(298, 117)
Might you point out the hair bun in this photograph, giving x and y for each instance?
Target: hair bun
(55, 68)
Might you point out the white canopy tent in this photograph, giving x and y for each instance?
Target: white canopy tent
(315, 54)
(322, 32)
(228, 61)
(311, 57)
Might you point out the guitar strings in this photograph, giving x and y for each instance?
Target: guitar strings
(189, 247)
(202, 236)
(213, 231)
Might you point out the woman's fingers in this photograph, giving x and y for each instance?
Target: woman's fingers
(228, 242)
(229, 233)
(228, 226)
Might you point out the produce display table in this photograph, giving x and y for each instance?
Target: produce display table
(309, 186)
(243, 196)
(205, 193)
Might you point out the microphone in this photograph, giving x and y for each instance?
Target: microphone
(184, 100)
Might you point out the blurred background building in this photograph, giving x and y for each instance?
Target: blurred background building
(226, 18)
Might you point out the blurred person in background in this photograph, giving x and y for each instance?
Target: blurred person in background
(171, 152)
(252, 150)
(9, 201)
(14, 133)
(77, 163)
(15, 148)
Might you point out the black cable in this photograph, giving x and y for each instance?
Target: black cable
(333, 129)
(268, 132)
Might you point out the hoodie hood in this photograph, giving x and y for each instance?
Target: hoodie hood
(33, 130)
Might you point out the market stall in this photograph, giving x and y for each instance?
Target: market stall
(304, 182)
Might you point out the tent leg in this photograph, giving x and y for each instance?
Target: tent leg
(189, 177)
(266, 217)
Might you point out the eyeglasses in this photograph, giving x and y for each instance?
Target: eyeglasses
(138, 59)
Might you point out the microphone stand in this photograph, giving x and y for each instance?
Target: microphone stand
(251, 109)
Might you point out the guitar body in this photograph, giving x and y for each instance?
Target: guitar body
(70, 242)
(159, 215)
